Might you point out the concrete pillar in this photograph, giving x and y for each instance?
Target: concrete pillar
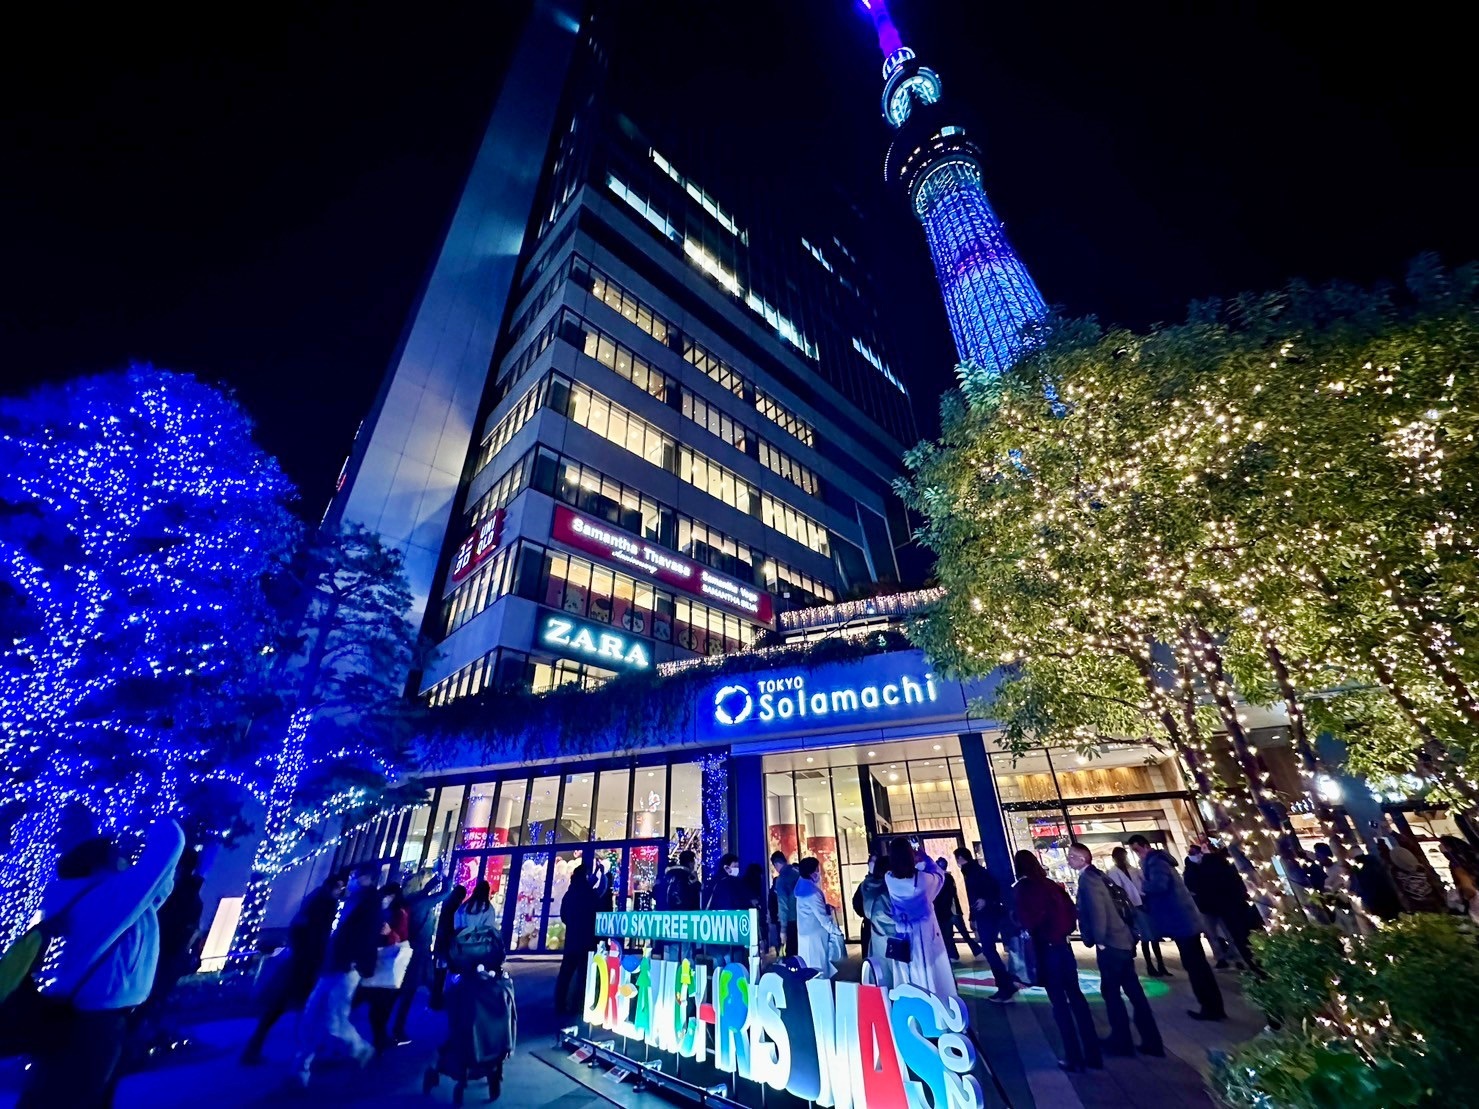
(987, 806)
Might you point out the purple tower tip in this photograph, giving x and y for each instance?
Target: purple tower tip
(888, 34)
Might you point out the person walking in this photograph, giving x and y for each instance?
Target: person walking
(948, 913)
(1103, 926)
(578, 911)
(1128, 879)
(817, 935)
(1372, 881)
(352, 955)
(100, 964)
(446, 928)
(877, 910)
(421, 912)
(1174, 914)
(784, 887)
(918, 950)
(1463, 864)
(308, 943)
(983, 895)
(1046, 912)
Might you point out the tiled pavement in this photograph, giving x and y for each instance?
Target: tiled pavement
(1018, 1039)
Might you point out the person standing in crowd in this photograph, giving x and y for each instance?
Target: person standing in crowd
(1218, 934)
(179, 952)
(817, 933)
(578, 913)
(784, 887)
(681, 888)
(877, 910)
(1128, 879)
(1463, 864)
(947, 911)
(395, 928)
(983, 894)
(726, 890)
(1046, 912)
(308, 943)
(1372, 881)
(101, 963)
(352, 955)
(919, 957)
(1226, 895)
(1173, 913)
(421, 911)
(446, 928)
(1103, 927)
(471, 912)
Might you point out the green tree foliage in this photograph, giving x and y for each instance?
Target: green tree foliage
(1269, 502)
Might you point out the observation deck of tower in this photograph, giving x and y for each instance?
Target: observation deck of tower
(989, 296)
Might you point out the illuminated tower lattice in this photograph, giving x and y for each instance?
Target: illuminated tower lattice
(989, 295)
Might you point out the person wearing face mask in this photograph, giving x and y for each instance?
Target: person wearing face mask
(726, 891)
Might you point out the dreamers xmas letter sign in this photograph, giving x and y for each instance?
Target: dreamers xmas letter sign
(842, 1045)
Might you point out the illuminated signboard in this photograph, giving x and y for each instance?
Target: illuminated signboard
(615, 545)
(842, 1045)
(593, 643)
(476, 548)
(734, 927)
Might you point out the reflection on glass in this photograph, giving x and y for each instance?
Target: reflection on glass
(641, 878)
(932, 795)
(508, 825)
(891, 795)
(529, 901)
(415, 838)
(852, 829)
(554, 930)
(575, 810)
(608, 861)
(649, 803)
(544, 795)
(479, 813)
(687, 803)
(443, 823)
(783, 818)
(611, 804)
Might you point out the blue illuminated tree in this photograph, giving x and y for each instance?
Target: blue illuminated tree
(343, 728)
(139, 523)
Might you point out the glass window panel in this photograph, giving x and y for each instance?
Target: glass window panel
(641, 878)
(479, 816)
(891, 800)
(612, 814)
(575, 810)
(414, 841)
(649, 803)
(540, 823)
(444, 822)
(530, 904)
(932, 795)
(565, 863)
(510, 818)
(687, 810)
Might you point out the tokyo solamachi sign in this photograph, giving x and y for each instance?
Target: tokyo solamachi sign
(648, 559)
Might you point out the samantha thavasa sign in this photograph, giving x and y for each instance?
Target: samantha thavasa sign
(734, 927)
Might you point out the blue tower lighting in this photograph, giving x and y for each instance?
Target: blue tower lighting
(990, 297)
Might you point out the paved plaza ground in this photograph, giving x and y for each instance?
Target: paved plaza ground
(1019, 1040)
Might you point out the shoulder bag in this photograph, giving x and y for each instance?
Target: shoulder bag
(899, 948)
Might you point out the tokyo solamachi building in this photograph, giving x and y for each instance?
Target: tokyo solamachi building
(644, 423)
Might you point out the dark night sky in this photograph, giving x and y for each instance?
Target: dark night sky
(259, 200)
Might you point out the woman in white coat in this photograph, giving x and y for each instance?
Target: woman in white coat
(913, 882)
(817, 935)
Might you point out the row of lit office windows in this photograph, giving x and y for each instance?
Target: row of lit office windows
(505, 668)
(586, 488)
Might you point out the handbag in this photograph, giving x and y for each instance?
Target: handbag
(1021, 958)
(391, 962)
(899, 949)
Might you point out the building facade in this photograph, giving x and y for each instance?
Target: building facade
(689, 424)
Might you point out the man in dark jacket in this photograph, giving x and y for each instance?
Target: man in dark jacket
(1225, 896)
(726, 891)
(353, 950)
(949, 916)
(578, 913)
(784, 888)
(308, 942)
(983, 895)
(1104, 928)
(1174, 914)
(681, 888)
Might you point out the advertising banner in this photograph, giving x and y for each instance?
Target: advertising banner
(660, 564)
(476, 548)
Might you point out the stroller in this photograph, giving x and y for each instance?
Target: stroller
(482, 1017)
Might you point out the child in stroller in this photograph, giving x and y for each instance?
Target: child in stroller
(482, 1019)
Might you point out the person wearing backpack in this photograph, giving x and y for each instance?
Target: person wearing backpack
(101, 965)
(1047, 913)
(1106, 923)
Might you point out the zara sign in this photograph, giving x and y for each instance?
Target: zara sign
(593, 643)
